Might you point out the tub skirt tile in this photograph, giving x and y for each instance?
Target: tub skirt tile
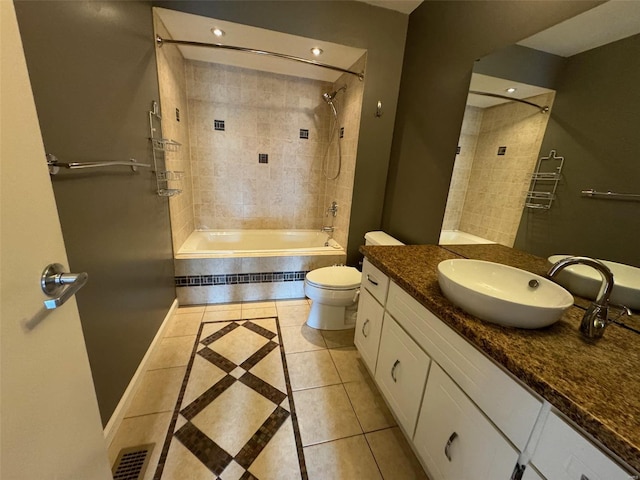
(240, 292)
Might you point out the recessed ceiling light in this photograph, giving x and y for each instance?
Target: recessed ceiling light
(217, 32)
(317, 51)
(511, 90)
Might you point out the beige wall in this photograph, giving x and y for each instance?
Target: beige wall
(173, 94)
(340, 190)
(469, 134)
(263, 113)
(498, 183)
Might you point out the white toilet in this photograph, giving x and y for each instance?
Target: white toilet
(335, 290)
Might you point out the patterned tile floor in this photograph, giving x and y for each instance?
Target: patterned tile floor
(248, 391)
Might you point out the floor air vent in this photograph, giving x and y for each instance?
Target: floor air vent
(132, 462)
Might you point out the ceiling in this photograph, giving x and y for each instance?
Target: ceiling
(185, 26)
(606, 23)
(404, 6)
(485, 83)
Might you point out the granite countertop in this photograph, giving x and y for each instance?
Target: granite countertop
(595, 384)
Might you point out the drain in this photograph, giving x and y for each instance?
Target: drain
(132, 462)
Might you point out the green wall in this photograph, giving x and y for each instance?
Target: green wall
(443, 41)
(594, 126)
(92, 68)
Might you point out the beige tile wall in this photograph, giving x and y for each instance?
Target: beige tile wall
(498, 184)
(462, 168)
(263, 113)
(171, 78)
(349, 106)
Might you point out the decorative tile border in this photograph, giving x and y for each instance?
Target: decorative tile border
(199, 444)
(239, 278)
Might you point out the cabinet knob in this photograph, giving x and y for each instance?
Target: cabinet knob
(447, 447)
(393, 370)
(366, 322)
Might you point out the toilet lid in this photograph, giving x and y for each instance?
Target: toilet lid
(341, 278)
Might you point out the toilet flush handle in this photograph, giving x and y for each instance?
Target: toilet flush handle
(356, 295)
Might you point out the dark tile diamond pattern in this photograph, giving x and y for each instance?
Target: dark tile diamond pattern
(206, 450)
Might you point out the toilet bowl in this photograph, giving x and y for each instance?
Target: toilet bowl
(335, 291)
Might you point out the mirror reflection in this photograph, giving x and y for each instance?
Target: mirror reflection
(589, 79)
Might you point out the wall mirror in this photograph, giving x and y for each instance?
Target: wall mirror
(588, 75)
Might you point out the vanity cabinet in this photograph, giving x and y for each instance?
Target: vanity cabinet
(454, 438)
(401, 373)
(465, 415)
(564, 454)
(507, 404)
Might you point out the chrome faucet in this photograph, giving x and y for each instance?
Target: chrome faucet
(327, 229)
(596, 318)
(333, 209)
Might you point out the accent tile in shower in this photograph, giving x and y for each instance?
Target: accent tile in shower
(304, 134)
(218, 125)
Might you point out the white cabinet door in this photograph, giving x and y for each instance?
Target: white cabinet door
(368, 328)
(564, 454)
(455, 440)
(401, 373)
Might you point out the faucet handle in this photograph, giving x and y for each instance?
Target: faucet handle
(620, 310)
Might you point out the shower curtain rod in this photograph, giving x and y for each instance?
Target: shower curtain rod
(161, 41)
(544, 109)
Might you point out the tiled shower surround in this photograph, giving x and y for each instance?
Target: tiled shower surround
(173, 95)
(253, 146)
(492, 186)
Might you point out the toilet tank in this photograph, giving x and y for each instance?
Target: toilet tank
(380, 238)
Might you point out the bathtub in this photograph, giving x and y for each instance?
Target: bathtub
(219, 266)
(457, 237)
(240, 243)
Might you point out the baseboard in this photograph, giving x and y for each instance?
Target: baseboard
(118, 414)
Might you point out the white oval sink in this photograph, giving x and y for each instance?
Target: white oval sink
(586, 281)
(502, 294)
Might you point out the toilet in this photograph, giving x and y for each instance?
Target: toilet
(335, 290)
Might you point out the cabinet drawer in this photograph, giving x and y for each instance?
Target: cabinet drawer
(375, 281)
(401, 373)
(564, 454)
(509, 406)
(368, 329)
(455, 440)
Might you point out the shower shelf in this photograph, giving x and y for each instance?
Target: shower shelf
(169, 192)
(165, 144)
(544, 182)
(160, 147)
(167, 175)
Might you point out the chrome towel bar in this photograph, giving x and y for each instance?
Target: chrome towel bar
(54, 164)
(612, 195)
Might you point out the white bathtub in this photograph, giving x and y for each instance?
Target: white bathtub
(248, 243)
(457, 237)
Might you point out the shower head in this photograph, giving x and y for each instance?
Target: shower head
(328, 97)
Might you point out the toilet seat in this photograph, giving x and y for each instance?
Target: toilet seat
(334, 278)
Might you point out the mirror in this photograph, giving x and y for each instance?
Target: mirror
(592, 125)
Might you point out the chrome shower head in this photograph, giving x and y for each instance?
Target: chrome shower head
(328, 97)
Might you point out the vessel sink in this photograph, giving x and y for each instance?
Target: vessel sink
(585, 281)
(501, 294)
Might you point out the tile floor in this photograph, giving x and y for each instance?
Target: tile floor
(217, 381)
